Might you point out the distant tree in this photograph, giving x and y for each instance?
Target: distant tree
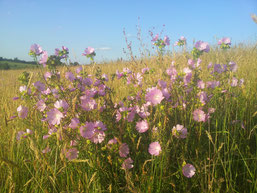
(74, 63)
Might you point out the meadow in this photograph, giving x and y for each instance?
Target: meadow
(172, 122)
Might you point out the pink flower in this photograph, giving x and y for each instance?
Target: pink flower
(20, 134)
(154, 148)
(70, 76)
(54, 116)
(145, 70)
(89, 51)
(39, 86)
(154, 96)
(72, 154)
(22, 111)
(112, 141)
(166, 40)
(225, 41)
(41, 105)
(155, 38)
(199, 115)
(61, 104)
(48, 75)
(179, 131)
(93, 131)
(233, 66)
(98, 136)
(202, 46)
(79, 69)
(142, 126)
(188, 170)
(124, 150)
(87, 131)
(74, 123)
(200, 84)
(36, 49)
(44, 58)
(46, 150)
(127, 164)
(202, 97)
(234, 82)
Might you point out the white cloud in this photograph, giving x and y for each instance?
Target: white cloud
(104, 48)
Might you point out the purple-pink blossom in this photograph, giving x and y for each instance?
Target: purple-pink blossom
(188, 170)
(61, 104)
(70, 76)
(89, 51)
(154, 148)
(44, 58)
(71, 154)
(166, 40)
(154, 96)
(202, 46)
(41, 105)
(54, 116)
(225, 41)
(36, 49)
(179, 131)
(22, 111)
(199, 115)
(74, 123)
(124, 150)
(127, 164)
(142, 126)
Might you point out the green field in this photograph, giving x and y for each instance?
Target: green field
(223, 150)
(17, 65)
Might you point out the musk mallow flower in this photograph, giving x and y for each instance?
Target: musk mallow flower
(166, 40)
(94, 131)
(202, 46)
(142, 126)
(199, 115)
(155, 38)
(188, 170)
(41, 105)
(154, 148)
(44, 58)
(89, 51)
(71, 154)
(35, 49)
(181, 41)
(69, 76)
(54, 116)
(179, 131)
(154, 96)
(232, 66)
(127, 164)
(225, 41)
(61, 104)
(39, 86)
(234, 82)
(124, 150)
(74, 123)
(22, 111)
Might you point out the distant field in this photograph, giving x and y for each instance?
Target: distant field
(17, 65)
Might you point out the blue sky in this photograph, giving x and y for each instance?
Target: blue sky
(78, 24)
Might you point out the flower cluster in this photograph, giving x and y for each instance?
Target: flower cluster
(224, 43)
(181, 41)
(80, 113)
